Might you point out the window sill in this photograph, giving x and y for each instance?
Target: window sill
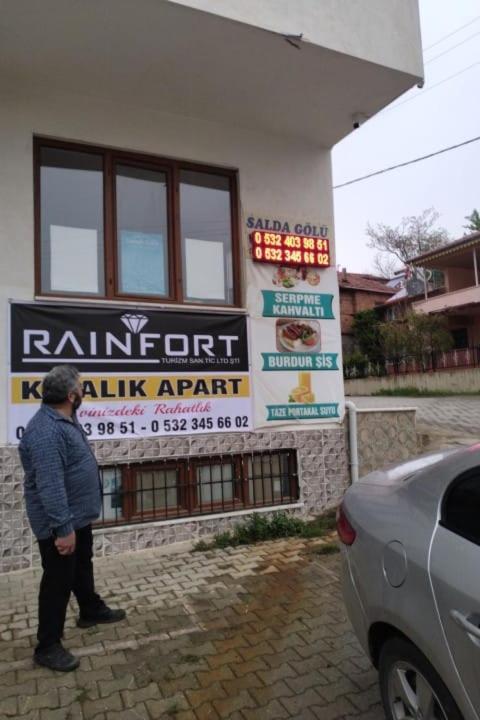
(196, 518)
(144, 305)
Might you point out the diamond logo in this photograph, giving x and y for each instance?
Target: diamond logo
(134, 322)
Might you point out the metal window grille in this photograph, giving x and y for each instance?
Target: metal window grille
(168, 488)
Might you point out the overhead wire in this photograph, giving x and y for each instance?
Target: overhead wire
(431, 87)
(454, 32)
(408, 162)
(450, 77)
(454, 47)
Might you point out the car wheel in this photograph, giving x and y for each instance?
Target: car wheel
(411, 688)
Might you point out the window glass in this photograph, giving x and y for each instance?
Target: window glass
(142, 231)
(460, 338)
(205, 215)
(461, 510)
(156, 489)
(215, 483)
(268, 478)
(71, 209)
(113, 497)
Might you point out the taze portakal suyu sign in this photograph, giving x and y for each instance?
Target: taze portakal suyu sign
(144, 373)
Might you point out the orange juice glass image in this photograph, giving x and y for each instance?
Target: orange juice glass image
(305, 380)
(303, 392)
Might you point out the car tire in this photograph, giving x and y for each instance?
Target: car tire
(401, 667)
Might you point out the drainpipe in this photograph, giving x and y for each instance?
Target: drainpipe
(352, 430)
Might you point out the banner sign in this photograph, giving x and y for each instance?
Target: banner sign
(300, 361)
(312, 411)
(145, 373)
(296, 304)
(295, 323)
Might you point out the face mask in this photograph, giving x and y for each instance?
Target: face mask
(77, 402)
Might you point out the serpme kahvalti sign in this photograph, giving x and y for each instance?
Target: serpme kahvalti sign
(144, 373)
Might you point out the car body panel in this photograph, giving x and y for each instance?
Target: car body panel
(404, 510)
(455, 576)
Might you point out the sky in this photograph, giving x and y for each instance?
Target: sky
(443, 116)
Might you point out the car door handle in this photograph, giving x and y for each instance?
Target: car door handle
(463, 622)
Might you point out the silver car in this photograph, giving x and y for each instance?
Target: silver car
(411, 581)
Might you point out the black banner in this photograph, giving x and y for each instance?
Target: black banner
(123, 340)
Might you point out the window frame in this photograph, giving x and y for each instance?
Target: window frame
(131, 511)
(237, 502)
(111, 158)
(464, 476)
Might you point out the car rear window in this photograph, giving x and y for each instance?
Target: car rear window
(461, 506)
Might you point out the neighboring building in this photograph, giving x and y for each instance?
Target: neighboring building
(410, 285)
(151, 154)
(359, 291)
(459, 300)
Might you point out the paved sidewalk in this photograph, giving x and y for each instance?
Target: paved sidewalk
(246, 633)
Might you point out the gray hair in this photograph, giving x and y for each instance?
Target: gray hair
(58, 383)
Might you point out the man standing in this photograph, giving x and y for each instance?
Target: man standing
(63, 497)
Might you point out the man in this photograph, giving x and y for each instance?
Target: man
(63, 497)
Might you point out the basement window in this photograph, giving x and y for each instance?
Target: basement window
(168, 489)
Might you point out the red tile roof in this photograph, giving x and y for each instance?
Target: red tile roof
(365, 282)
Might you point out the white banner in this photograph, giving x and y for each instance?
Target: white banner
(202, 384)
(296, 341)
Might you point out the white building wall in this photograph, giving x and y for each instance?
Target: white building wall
(386, 32)
(282, 177)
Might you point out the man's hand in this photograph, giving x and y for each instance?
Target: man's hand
(66, 545)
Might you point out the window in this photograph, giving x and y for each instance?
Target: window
(461, 506)
(72, 231)
(460, 338)
(142, 231)
(115, 225)
(206, 237)
(197, 486)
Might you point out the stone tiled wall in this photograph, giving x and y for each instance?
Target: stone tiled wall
(385, 437)
(323, 476)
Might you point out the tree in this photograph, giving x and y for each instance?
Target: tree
(366, 335)
(413, 236)
(428, 334)
(473, 221)
(395, 341)
(384, 265)
(417, 336)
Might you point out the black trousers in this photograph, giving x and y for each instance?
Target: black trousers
(62, 575)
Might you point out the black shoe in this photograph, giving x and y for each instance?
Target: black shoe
(104, 616)
(56, 658)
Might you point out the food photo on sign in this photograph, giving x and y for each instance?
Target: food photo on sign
(288, 277)
(298, 335)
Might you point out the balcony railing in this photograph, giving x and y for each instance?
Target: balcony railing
(453, 359)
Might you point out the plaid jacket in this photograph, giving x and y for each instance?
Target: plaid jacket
(62, 483)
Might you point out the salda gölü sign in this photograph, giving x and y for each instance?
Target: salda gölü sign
(293, 300)
(144, 373)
